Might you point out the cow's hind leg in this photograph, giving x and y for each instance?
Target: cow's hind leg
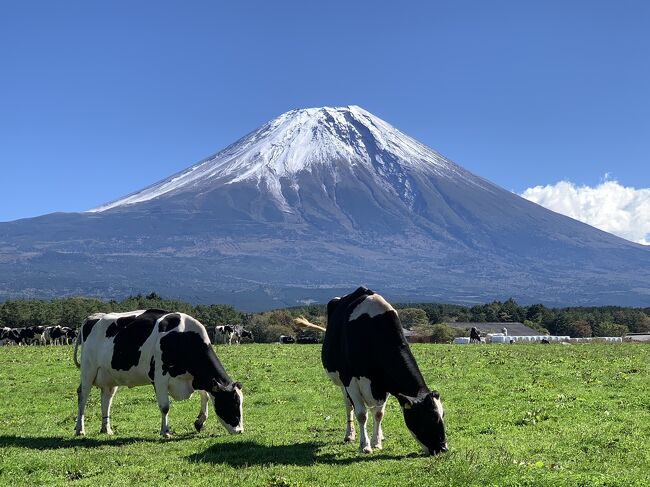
(362, 415)
(350, 433)
(162, 396)
(107, 398)
(377, 433)
(83, 391)
(203, 413)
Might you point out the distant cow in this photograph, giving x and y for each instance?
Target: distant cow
(172, 351)
(59, 335)
(286, 339)
(241, 332)
(71, 335)
(29, 335)
(365, 353)
(224, 334)
(306, 340)
(9, 336)
(474, 335)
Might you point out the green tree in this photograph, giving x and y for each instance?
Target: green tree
(609, 329)
(413, 317)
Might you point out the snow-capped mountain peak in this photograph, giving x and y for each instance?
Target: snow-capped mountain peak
(298, 141)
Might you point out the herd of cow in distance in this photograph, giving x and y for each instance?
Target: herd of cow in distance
(364, 353)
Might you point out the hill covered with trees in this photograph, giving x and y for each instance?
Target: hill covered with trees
(426, 318)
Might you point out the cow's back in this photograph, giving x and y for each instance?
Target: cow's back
(120, 346)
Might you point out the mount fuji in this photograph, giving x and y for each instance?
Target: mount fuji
(312, 204)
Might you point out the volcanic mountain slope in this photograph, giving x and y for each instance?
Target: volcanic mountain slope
(314, 203)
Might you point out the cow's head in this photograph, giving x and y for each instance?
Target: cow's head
(424, 419)
(228, 404)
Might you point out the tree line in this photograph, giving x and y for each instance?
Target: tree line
(425, 318)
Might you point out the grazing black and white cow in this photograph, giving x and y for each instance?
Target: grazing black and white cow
(224, 334)
(365, 353)
(18, 336)
(172, 351)
(241, 332)
(59, 335)
(302, 340)
(9, 336)
(33, 335)
(474, 335)
(70, 335)
(286, 339)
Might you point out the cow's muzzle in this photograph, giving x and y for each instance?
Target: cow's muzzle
(434, 451)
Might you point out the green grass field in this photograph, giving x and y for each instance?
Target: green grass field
(515, 415)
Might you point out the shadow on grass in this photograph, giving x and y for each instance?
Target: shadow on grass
(58, 442)
(247, 453)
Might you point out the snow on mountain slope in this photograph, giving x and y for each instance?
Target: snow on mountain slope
(299, 140)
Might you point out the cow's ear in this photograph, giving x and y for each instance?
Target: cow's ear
(216, 387)
(237, 385)
(435, 394)
(406, 402)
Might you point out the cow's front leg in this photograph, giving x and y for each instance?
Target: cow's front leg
(162, 396)
(350, 433)
(377, 433)
(362, 415)
(107, 398)
(203, 413)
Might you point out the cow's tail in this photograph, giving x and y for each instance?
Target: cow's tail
(76, 347)
(303, 323)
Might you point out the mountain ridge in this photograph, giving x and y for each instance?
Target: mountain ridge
(311, 203)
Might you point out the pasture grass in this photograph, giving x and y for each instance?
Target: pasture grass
(516, 415)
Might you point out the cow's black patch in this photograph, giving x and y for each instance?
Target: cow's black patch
(27, 333)
(169, 322)
(185, 352)
(130, 334)
(152, 369)
(87, 328)
(117, 325)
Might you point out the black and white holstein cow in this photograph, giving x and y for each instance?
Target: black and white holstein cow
(241, 332)
(59, 335)
(9, 336)
(172, 351)
(223, 334)
(227, 334)
(365, 354)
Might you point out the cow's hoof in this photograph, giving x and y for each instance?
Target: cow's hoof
(377, 446)
(79, 433)
(198, 425)
(349, 438)
(106, 431)
(166, 436)
(366, 449)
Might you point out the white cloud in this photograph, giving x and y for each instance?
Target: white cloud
(609, 206)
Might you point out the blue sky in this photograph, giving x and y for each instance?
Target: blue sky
(98, 99)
